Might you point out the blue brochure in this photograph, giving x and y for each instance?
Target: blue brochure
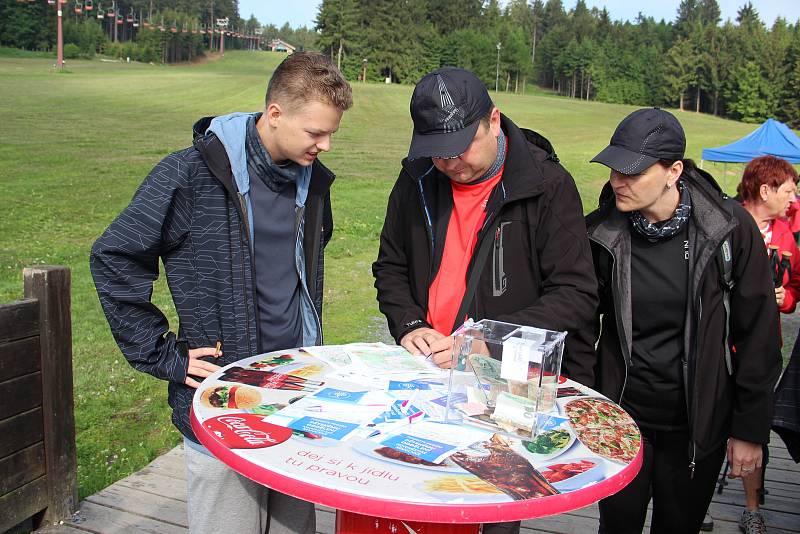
(340, 395)
(327, 428)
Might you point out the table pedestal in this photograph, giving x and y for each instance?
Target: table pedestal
(350, 523)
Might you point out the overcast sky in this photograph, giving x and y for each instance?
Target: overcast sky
(302, 12)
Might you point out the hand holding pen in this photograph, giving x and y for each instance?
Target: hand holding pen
(201, 368)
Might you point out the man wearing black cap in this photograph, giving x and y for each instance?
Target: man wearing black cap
(482, 203)
(482, 222)
(682, 272)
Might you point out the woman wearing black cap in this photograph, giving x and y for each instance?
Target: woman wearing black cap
(672, 255)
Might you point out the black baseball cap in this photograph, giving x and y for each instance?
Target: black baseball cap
(642, 139)
(446, 108)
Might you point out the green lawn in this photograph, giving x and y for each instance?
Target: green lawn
(74, 146)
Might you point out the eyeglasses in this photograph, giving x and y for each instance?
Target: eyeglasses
(450, 157)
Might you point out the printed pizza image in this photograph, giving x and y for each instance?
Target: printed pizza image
(604, 428)
(230, 397)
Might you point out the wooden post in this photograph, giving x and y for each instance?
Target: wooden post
(51, 287)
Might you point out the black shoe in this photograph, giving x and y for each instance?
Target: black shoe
(708, 523)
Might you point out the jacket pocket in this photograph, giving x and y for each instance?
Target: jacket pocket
(499, 280)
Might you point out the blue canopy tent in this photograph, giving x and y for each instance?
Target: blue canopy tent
(772, 138)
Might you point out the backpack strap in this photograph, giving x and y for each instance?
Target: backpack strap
(725, 266)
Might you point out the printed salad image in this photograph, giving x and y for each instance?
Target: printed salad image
(548, 442)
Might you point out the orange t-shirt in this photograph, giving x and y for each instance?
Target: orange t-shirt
(450, 284)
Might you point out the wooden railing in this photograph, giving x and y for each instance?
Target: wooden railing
(38, 464)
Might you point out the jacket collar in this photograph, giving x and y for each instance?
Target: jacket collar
(216, 158)
(523, 176)
(712, 217)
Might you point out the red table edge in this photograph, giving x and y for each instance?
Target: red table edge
(430, 513)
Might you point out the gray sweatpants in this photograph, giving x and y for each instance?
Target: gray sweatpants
(222, 500)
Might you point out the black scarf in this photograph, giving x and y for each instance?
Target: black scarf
(273, 175)
(663, 229)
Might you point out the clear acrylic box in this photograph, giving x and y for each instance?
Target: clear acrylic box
(504, 376)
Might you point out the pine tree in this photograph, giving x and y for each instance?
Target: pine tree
(680, 71)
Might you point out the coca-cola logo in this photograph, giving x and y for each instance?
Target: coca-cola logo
(246, 431)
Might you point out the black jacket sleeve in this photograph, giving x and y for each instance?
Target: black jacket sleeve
(754, 334)
(124, 264)
(568, 286)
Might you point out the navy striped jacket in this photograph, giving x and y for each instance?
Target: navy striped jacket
(188, 214)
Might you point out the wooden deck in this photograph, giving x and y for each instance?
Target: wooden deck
(153, 500)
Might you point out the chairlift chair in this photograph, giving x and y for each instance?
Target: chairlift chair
(110, 13)
(100, 12)
(174, 28)
(51, 2)
(78, 8)
(120, 18)
(87, 5)
(130, 18)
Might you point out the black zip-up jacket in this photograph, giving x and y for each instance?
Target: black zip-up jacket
(539, 271)
(188, 214)
(724, 398)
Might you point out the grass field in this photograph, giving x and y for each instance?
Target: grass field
(75, 145)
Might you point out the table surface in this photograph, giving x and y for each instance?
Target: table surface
(353, 475)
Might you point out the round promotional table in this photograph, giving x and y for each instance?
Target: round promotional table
(374, 490)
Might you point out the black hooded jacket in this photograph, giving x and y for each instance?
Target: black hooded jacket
(723, 398)
(539, 271)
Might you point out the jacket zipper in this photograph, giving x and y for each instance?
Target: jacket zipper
(428, 227)
(304, 286)
(618, 320)
(245, 238)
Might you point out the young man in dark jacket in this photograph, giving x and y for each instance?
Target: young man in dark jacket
(473, 179)
(240, 221)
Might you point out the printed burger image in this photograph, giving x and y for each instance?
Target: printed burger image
(231, 397)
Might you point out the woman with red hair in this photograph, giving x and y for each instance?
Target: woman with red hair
(767, 189)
